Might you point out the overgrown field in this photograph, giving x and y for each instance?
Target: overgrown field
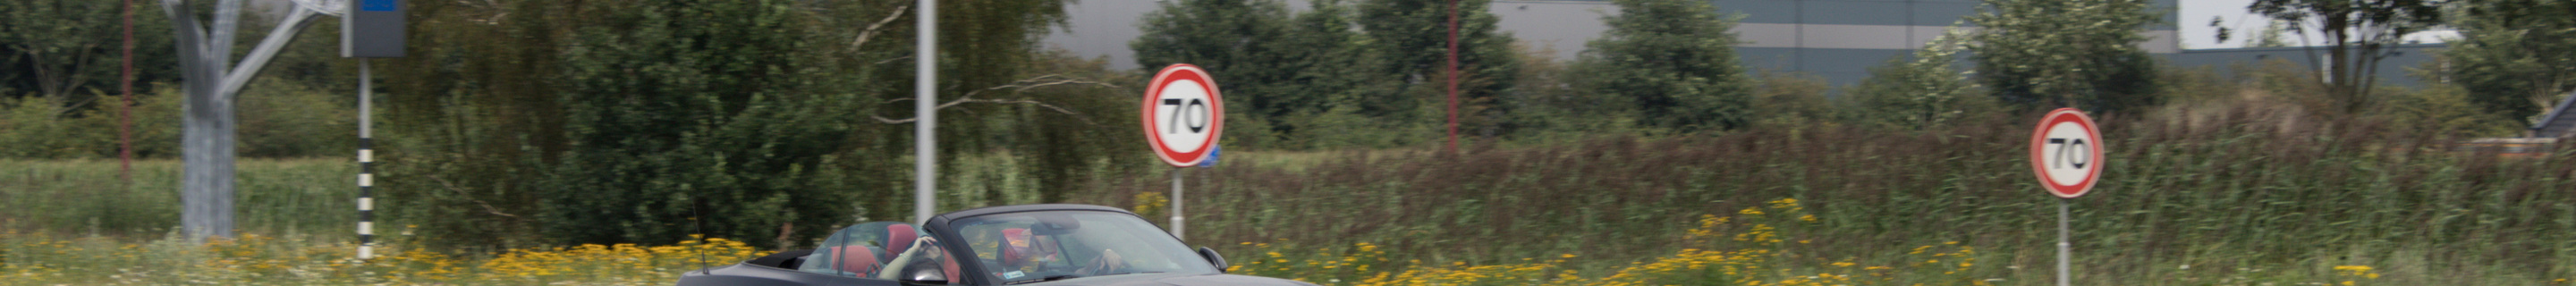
(86, 197)
(2234, 197)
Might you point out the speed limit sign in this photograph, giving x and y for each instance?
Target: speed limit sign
(1182, 115)
(2067, 152)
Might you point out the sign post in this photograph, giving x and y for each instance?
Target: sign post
(368, 29)
(2066, 152)
(1182, 120)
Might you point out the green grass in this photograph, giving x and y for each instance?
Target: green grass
(273, 196)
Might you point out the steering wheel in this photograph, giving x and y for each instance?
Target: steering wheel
(1109, 262)
(1050, 266)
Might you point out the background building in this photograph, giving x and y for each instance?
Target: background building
(1838, 40)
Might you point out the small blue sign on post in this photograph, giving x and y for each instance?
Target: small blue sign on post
(372, 29)
(1213, 151)
(379, 5)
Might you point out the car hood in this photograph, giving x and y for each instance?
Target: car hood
(1176, 280)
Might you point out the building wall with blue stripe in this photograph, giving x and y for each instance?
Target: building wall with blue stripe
(1838, 40)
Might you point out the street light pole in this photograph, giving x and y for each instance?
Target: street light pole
(925, 89)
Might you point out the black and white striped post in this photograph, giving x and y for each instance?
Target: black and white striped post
(366, 165)
(369, 29)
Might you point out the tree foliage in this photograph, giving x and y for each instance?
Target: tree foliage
(2358, 33)
(2515, 57)
(1412, 39)
(1923, 90)
(626, 121)
(1254, 48)
(1673, 63)
(68, 51)
(2056, 53)
(1331, 78)
(764, 121)
(700, 111)
(1320, 79)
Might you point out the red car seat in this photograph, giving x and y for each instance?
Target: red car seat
(1014, 242)
(854, 259)
(898, 238)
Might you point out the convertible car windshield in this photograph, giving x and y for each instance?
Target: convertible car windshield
(1056, 245)
(1040, 244)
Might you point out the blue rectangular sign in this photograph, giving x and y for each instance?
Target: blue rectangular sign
(370, 29)
(378, 5)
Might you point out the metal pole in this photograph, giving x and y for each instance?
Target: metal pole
(125, 112)
(2064, 253)
(1453, 75)
(924, 87)
(1176, 203)
(366, 163)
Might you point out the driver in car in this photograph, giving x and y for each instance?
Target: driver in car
(1023, 251)
(920, 262)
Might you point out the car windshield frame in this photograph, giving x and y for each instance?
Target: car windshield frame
(1063, 240)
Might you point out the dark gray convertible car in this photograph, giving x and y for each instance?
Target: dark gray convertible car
(1051, 244)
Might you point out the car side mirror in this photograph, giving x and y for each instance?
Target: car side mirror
(1210, 254)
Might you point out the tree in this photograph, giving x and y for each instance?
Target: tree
(766, 121)
(1282, 72)
(1673, 61)
(985, 51)
(1413, 37)
(1061, 150)
(2060, 53)
(1922, 91)
(2270, 36)
(1245, 42)
(692, 112)
(2515, 57)
(67, 50)
(2358, 34)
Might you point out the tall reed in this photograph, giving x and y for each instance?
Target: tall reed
(2231, 189)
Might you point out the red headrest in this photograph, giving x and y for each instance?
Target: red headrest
(854, 259)
(899, 238)
(1014, 241)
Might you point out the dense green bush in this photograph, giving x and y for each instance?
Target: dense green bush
(1672, 63)
(621, 122)
(1922, 90)
(766, 121)
(2516, 58)
(2041, 54)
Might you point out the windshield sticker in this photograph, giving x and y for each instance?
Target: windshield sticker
(1013, 275)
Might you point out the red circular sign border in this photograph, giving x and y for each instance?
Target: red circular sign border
(1154, 92)
(2039, 138)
